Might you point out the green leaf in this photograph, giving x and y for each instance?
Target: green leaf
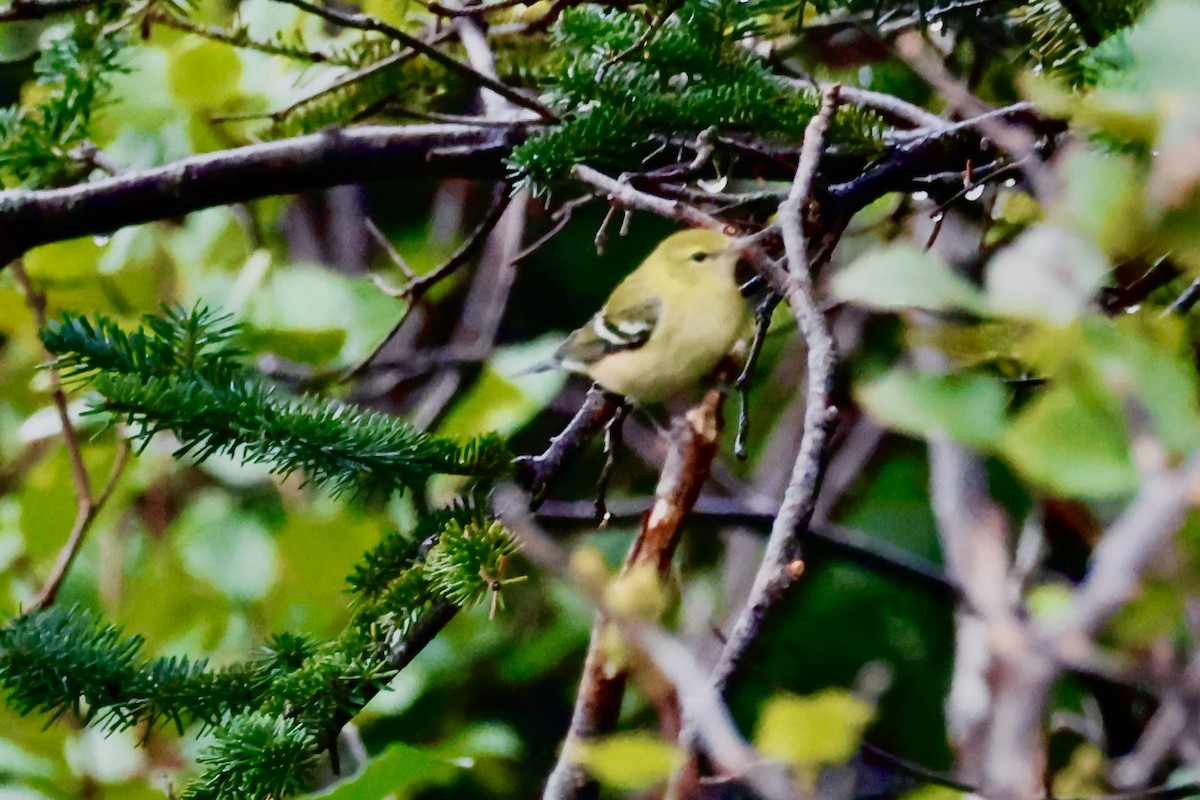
(968, 408)
(933, 792)
(628, 761)
(1102, 199)
(1072, 443)
(227, 548)
(819, 730)
(1155, 614)
(1164, 54)
(1049, 602)
(398, 771)
(1132, 361)
(16, 761)
(302, 313)
(1049, 273)
(903, 276)
(507, 396)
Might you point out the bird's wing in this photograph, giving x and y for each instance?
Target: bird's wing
(610, 331)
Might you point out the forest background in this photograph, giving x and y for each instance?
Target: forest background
(271, 539)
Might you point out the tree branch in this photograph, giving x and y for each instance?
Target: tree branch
(88, 503)
(367, 23)
(781, 566)
(316, 161)
(692, 445)
(23, 10)
(538, 473)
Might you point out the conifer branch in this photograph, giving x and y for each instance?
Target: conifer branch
(61, 661)
(368, 23)
(179, 373)
(273, 715)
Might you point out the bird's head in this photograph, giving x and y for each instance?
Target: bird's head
(697, 252)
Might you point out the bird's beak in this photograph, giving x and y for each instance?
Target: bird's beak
(749, 281)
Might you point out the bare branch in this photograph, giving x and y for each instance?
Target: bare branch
(227, 37)
(692, 445)
(367, 23)
(780, 566)
(538, 473)
(316, 161)
(88, 504)
(627, 196)
(892, 107)
(417, 287)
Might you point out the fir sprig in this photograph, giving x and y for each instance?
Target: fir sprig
(76, 70)
(274, 715)
(622, 94)
(1058, 44)
(65, 660)
(179, 373)
(258, 756)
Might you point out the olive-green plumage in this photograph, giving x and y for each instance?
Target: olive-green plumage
(668, 324)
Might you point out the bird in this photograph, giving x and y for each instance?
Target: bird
(667, 324)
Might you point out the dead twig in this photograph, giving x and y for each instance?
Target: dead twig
(88, 502)
(417, 287)
(367, 23)
(781, 565)
(537, 473)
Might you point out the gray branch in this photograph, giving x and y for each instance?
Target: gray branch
(29, 218)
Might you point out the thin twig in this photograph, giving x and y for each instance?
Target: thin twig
(367, 23)
(482, 309)
(538, 473)
(780, 565)
(390, 251)
(88, 503)
(560, 218)
(1018, 143)
(655, 25)
(1186, 299)
(387, 62)
(231, 38)
(481, 9)
(629, 197)
(416, 288)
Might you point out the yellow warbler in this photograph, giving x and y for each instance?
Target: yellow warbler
(668, 324)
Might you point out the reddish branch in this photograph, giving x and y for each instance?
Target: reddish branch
(692, 444)
(88, 501)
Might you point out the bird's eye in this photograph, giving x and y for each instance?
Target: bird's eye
(698, 257)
